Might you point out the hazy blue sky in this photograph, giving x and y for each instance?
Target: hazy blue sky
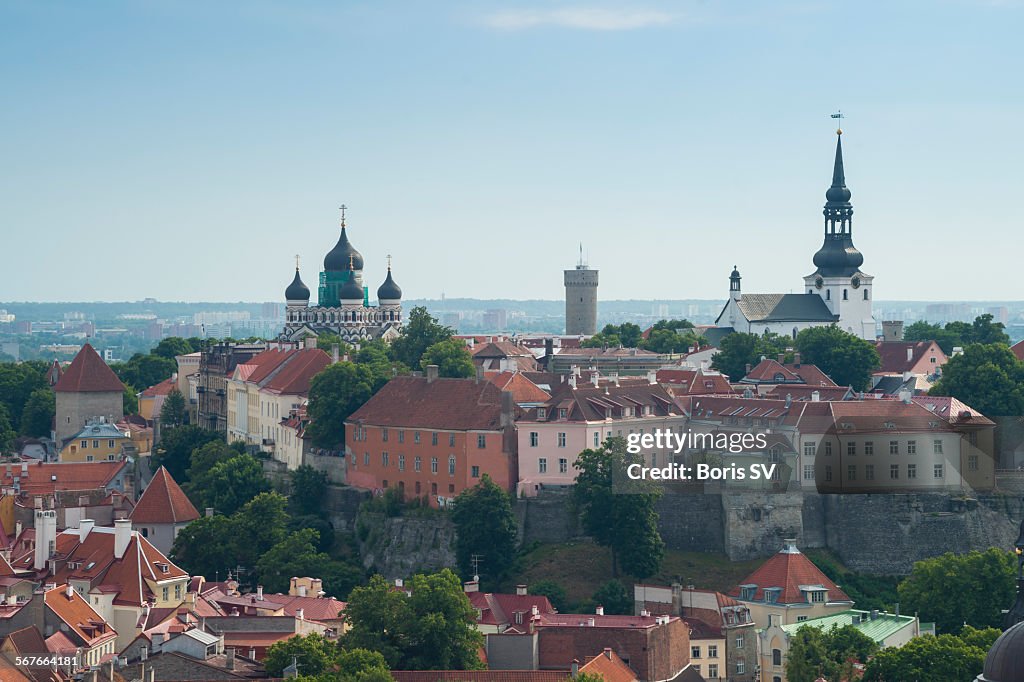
(185, 150)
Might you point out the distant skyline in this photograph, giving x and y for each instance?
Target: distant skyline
(186, 150)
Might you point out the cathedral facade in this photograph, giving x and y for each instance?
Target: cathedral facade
(837, 292)
(343, 301)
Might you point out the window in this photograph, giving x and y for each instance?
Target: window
(911, 447)
(451, 465)
(597, 439)
(85, 444)
(481, 440)
(851, 448)
(937, 447)
(741, 667)
(401, 436)
(828, 472)
(177, 591)
(534, 439)
(433, 438)
(972, 438)
(808, 472)
(542, 465)
(384, 434)
(475, 472)
(771, 596)
(828, 447)
(563, 466)
(166, 593)
(869, 448)
(801, 619)
(415, 436)
(894, 447)
(739, 641)
(694, 652)
(366, 459)
(417, 463)
(384, 459)
(865, 294)
(851, 472)
(89, 458)
(938, 471)
(894, 471)
(776, 656)
(818, 596)
(748, 592)
(846, 294)
(433, 465)
(911, 471)
(562, 413)
(972, 462)
(401, 462)
(869, 472)
(96, 444)
(110, 443)
(561, 439)
(451, 440)
(433, 488)
(713, 671)
(712, 651)
(696, 668)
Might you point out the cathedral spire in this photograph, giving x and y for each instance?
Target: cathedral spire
(838, 255)
(838, 195)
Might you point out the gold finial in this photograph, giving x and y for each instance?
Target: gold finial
(839, 131)
(342, 208)
(389, 262)
(838, 116)
(296, 261)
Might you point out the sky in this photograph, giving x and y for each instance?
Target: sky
(188, 150)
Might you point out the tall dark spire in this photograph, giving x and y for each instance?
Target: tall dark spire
(838, 256)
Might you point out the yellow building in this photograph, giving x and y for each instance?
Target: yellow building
(98, 441)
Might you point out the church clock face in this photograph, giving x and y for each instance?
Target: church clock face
(856, 282)
(819, 283)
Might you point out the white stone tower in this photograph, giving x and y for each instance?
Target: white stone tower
(581, 299)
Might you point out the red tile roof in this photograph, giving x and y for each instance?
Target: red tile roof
(79, 616)
(500, 609)
(43, 478)
(789, 570)
(894, 355)
(163, 388)
(456, 404)
(952, 410)
(479, 675)
(609, 667)
(804, 392)
(523, 390)
(88, 373)
(693, 382)
(163, 502)
(298, 370)
(608, 621)
(1018, 350)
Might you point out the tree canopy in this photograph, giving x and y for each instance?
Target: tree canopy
(174, 450)
(981, 330)
(173, 412)
(451, 357)
(18, 381)
(831, 653)
(623, 520)
(737, 350)
(228, 484)
(37, 416)
(334, 394)
(420, 332)
(143, 371)
(627, 335)
(848, 359)
(485, 526)
(946, 658)
(988, 377)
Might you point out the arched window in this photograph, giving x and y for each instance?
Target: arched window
(865, 294)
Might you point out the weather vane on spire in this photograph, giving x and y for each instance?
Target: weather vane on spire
(343, 207)
(839, 115)
(296, 261)
(389, 262)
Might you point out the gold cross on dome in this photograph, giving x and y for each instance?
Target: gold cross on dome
(296, 261)
(342, 208)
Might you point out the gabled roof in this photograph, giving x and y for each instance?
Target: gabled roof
(788, 572)
(523, 390)
(163, 502)
(163, 388)
(454, 404)
(590, 403)
(894, 355)
(694, 382)
(79, 616)
(785, 308)
(500, 609)
(1018, 350)
(952, 410)
(43, 478)
(298, 370)
(88, 373)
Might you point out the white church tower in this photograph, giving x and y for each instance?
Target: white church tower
(838, 279)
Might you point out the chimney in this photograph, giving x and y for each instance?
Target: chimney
(905, 396)
(572, 381)
(301, 614)
(85, 527)
(69, 591)
(874, 614)
(595, 378)
(815, 396)
(46, 537)
(152, 674)
(335, 353)
(122, 536)
(897, 610)
(591, 622)
(479, 374)
(508, 410)
(599, 610)
(259, 592)
(158, 640)
(309, 343)
(549, 347)
(302, 590)
(230, 653)
(209, 511)
(575, 670)
(607, 653)
(749, 367)
(521, 590)
(796, 359)
(781, 357)
(432, 373)
(652, 378)
(470, 586)
(910, 353)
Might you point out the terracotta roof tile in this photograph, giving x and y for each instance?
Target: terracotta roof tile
(523, 390)
(163, 388)
(479, 675)
(88, 373)
(79, 616)
(788, 570)
(43, 478)
(297, 371)
(163, 502)
(894, 355)
(609, 667)
(456, 404)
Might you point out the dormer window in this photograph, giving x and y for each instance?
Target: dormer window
(818, 596)
(542, 413)
(747, 592)
(562, 413)
(771, 595)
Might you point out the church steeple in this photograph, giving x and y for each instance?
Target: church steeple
(837, 256)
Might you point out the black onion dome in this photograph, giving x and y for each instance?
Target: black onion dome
(735, 273)
(1003, 663)
(342, 255)
(389, 291)
(350, 290)
(297, 291)
(838, 257)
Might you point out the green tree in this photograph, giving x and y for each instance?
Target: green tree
(988, 377)
(360, 665)
(173, 412)
(130, 400)
(485, 525)
(451, 357)
(145, 370)
(229, 484)
(17, 383)
(378, 617)
(334, 394)
(627, 335)
(830, 653)
(206, 547)
(259, 525)
(623, 520)
(7, 432)
(374, 356)
(308, 488)
(313, 653)
(420, 332)
(204, 457)
(954, 589)
(37, 417)
(297, 554)
(174, 450)
(848, 359)
(669, 341)
(173, 346)
(738, 350)
(615, 598)
(982, 330)
(326, 341)
(554, 592)
(923, 331)
(945, 658)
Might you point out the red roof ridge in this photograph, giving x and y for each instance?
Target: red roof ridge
(88, 373)
(163, 501)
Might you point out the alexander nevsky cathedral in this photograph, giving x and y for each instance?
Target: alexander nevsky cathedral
(343, 306)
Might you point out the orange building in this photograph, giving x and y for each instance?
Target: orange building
(432, 437)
